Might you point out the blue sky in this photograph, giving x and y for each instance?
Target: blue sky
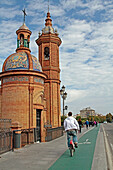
(86, 53)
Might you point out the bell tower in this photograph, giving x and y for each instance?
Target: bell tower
(23, 37)
(48, 43)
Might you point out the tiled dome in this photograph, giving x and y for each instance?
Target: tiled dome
(36, 64)
(24, 27)
(48, 29)
(20, 61)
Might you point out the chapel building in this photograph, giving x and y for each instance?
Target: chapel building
(30, 89)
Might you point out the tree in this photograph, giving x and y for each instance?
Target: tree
(62, 119)
(102, 118)
(78, 117)
(109, 117)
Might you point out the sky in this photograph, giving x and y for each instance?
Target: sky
(86, 53)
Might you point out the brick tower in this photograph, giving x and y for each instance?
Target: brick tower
(48, 43)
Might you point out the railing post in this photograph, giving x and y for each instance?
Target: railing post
(34, 131)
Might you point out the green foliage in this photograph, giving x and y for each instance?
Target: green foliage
(99, 119)
(62, 118)
(83, 120)
(102, 119)
(109, 117)
(78, 117)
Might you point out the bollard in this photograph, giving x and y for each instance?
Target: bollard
(16, 138)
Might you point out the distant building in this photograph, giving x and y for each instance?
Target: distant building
(99, 114)
(86, 112)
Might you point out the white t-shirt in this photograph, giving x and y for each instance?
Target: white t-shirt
(71, 123)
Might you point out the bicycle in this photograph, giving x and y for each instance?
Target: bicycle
(72, 148)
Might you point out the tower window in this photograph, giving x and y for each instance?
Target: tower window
(46, 53)
(28, 41)
(22, 40)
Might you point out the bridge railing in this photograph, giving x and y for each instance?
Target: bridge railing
(5, 135)
(53, 133)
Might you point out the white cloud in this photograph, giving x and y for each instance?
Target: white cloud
(74, 95)
(8, 37)
(70, 4)
(7, 2)
(89, 67)
(7, 13)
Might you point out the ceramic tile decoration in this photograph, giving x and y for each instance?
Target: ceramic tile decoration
(36, 64)
(17, 61)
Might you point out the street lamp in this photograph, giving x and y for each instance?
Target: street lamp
(66, 107)
(64, 96)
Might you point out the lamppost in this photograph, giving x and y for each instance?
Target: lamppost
(64, 96)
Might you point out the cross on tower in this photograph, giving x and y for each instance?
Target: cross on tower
(24, 14)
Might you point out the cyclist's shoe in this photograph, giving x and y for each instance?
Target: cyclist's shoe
(76, 146)
(72, 148)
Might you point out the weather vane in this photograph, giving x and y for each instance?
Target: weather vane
(24, 14)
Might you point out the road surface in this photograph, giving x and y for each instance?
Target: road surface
(108, 128)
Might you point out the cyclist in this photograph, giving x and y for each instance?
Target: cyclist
(71, 126)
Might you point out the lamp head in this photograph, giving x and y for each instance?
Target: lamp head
(65, 95)
(63, 88)
(61, 92)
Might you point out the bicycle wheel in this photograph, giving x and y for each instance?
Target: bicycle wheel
(71, 150)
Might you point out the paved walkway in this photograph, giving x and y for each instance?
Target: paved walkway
(42, 156)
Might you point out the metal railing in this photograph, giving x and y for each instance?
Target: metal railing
(5, 124)
(5, 135)
(53, 133)
(27, 136)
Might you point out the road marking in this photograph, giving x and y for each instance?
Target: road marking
(108, 151)
(86, 142)
(88, 130)
(111, 146)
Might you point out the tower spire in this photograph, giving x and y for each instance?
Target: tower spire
(48, 5)
(48, 20)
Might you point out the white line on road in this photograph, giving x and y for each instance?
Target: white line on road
(86, 142)
(88, 130)
(111, 146)
(108, 151)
